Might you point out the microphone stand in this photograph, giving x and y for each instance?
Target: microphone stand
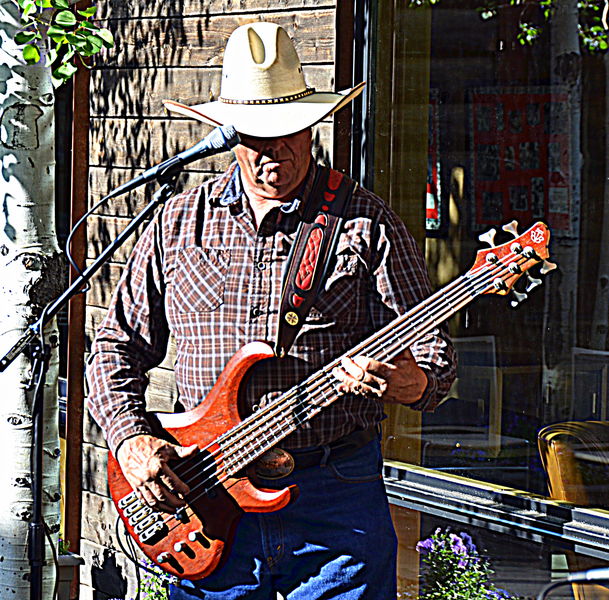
(31, 340)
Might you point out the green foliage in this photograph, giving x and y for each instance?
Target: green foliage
(153, 584)
(454, 570)
(63, 546)
(535, 15)
(153, 587)
(53, 30)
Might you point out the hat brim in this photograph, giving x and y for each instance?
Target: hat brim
(269, 120)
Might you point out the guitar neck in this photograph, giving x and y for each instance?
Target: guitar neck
(267, 427)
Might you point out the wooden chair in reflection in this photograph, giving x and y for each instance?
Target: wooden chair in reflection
(575, 456)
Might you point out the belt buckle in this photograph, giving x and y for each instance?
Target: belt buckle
(275, 463)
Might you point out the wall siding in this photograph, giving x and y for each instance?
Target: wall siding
(177, 56)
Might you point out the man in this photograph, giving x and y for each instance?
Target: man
(208, 270)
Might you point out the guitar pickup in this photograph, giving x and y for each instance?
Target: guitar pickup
(147, 522)
(154, 533)
(127, 500)
(141, 514)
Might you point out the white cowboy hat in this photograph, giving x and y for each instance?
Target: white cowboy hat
(263, 92)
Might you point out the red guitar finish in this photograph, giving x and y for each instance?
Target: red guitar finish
(194, 548)
(194, 541)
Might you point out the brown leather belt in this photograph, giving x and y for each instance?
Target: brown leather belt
(278, 463)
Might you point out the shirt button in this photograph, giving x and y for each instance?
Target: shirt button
(261, 266)
(255, 312)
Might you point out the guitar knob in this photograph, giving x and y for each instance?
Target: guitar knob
(197, 536)
(519, 297)
(181, 515)
(533, 283)
(511, 228)
(163, 557)
(184, 548)
(500, 284)
(547, 266)
(488, 237)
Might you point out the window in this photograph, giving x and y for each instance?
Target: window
(473, 130)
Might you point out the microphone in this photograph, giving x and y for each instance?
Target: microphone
(591, 575)
(219, 140)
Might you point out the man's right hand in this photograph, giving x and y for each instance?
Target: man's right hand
(144, 461)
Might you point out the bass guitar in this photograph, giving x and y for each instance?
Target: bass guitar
(195, 540)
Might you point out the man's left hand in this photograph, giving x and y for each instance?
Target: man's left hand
(401, 382)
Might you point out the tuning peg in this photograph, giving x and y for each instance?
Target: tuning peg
(488, 237)
(533, 283)
(520, 297)
(511, 228)
(547, 266)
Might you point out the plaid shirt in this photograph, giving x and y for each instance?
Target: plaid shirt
(203, 273)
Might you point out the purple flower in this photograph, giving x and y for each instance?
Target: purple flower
(426, 546)
(457, 545)
(469, 543)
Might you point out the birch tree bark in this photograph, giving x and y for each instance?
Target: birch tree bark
(31, 274)
(560, 331)
(600, 318)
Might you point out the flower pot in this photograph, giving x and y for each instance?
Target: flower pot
(67, 564)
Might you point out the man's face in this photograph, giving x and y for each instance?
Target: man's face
(274, 168)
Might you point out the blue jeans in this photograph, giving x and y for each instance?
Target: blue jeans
(336, 540)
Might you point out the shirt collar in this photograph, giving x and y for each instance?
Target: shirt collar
(228, 191)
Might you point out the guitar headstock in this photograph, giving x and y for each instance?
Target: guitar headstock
(499, 267)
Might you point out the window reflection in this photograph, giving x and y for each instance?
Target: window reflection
(512, 132)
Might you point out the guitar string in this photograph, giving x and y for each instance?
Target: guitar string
(254, 421)
(271, 411)
(228, 466)
(236, 449)
(370, 343)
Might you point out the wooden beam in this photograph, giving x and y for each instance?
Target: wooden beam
(343, 69)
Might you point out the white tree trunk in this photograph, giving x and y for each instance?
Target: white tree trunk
(600, 317)
(31, 273)
(560, 335)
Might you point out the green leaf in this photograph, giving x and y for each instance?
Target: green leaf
(57, 34)
(93, 46)
(87, 12)
(65, 71)
(25, 37)
(31, 54)
(76, 40)
(60, 3)
(65, 18)
(106, 37)
(29, 7)
(52, 56)
(88, 25)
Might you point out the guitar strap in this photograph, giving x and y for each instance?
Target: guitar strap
(312, 252)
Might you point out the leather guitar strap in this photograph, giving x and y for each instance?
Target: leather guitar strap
(312, 252)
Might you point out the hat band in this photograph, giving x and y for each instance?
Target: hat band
(279, 100)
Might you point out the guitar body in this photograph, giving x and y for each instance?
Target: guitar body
(193, 545)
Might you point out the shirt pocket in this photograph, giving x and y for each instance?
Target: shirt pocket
(339, 301)
(198, 280)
